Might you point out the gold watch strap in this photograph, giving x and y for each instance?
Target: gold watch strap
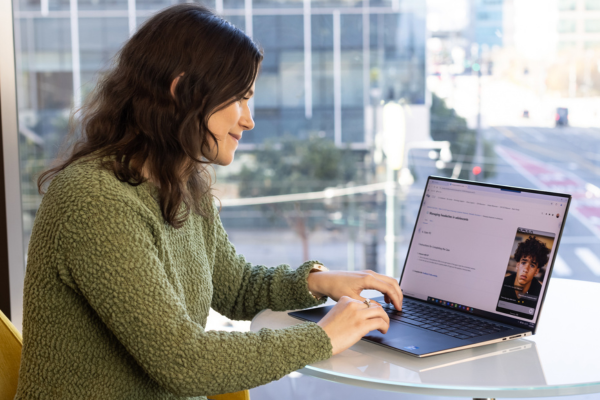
(317, 268)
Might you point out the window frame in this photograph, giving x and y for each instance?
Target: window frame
(12, 261)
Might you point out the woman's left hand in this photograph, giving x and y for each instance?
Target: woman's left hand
(336, 284)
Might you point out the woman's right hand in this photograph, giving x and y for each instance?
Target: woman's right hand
(349, 320)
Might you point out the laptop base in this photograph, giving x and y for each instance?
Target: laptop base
(419, 342)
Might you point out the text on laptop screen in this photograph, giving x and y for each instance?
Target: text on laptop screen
(483, 248)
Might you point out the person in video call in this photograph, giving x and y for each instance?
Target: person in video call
(128, 253)
(522, 287)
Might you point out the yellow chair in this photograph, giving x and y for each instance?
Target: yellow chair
(11, 344)
(241, 395)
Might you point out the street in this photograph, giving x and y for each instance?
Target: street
(563, 159)
(572, 158)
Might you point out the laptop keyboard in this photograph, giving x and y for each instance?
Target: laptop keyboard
(441, 321)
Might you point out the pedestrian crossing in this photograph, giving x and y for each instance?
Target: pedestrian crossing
(577, 262)
(590, 259)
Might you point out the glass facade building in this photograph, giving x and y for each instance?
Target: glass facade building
(328, 65)
(489, 22)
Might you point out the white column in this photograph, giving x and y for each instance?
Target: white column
(337, 79)
(31, 65)
(390, 222)
(351, 254)
(248, 30)
(307, 60)
(368, 110)
(219, 6)
(394, 137)
(248, 17)
(132, 17)
(44, 8)
(12, 178)
(76, 64)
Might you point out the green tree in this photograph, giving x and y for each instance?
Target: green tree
(293, 166)
(447, 125)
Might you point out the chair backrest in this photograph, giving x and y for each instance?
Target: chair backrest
(11, 344)
(241, 395)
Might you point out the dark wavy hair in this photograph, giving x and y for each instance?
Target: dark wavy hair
(132, 117)
(534, 248)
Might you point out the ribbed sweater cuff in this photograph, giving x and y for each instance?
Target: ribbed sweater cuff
(305, 299)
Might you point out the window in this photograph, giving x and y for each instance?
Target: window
(567, 45)
(567, 5)
(477, 78)
(592, 44)
(592, 5)
(490, 15)
(337, 97)
(592, 25)
(567, 26)
(346, 78)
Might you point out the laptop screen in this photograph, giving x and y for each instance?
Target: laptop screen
(484, 249)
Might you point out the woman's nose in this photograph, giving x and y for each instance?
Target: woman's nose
(246, 121)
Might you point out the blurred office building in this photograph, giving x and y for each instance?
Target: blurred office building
(488, 18)
(327, 63)
(579, 24)
(329, 68)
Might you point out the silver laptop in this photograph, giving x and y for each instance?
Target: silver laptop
(477, 268)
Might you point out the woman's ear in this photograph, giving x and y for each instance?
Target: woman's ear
(174, 84)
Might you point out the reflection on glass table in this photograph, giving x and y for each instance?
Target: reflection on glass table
(561, 359)
(371, 361)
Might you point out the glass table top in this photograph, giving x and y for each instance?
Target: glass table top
(563, 358)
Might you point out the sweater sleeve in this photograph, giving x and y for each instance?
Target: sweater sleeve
(241, 290)
(106, 252)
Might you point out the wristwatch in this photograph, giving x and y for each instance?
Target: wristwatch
(317, 268)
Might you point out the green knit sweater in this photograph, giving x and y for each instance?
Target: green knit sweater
(116, 300)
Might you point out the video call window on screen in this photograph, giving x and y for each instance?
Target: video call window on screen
(525, 273)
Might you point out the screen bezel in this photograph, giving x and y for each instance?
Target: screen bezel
(486, 314)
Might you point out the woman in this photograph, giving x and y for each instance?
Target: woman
(128, 254)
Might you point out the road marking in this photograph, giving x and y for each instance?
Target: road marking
(536, 135)
(543, 150)
(561, 268)
(589, 259)
(587, 211)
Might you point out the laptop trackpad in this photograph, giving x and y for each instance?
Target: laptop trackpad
(413, 340)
